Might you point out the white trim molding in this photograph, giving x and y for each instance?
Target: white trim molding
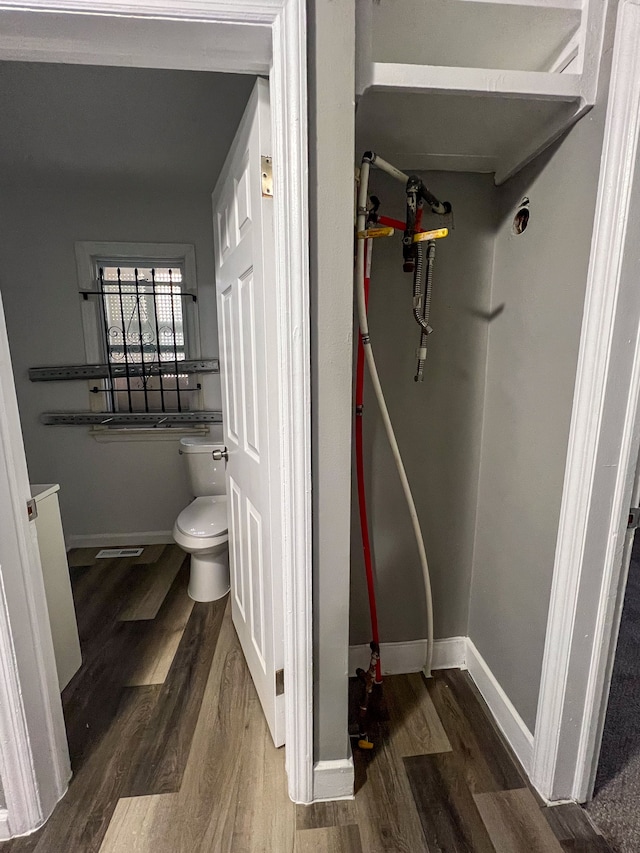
(409, 656)
(22, 794)
(333, 780)
(289, 132)
(5, 833)
(104, 435)
(601, 459)
(502, 709)
(34, 758)
(251, 12)
(285, 21)
(243, 44)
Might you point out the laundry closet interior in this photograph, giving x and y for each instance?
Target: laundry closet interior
(499, 125)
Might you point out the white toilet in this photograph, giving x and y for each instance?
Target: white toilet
(201, 528)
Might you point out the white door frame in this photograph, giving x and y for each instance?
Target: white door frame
(28, 794)
(588, 582)
(34, 758)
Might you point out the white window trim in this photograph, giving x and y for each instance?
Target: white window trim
(87, 253)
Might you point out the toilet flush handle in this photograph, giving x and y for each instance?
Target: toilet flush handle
(220, 454)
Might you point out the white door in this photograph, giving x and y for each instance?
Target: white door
(245, 276)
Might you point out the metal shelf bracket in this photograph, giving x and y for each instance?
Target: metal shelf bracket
(131, 419)
(101, 371)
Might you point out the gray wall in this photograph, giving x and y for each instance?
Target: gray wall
(119, 487)
(331, 139)
(438, 423)
(539, 278)
(103, 154)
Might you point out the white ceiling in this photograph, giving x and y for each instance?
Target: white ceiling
(66, 124)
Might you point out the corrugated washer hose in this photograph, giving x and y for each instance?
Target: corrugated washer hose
(423, 320)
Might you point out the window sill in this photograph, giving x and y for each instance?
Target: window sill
(105, 435)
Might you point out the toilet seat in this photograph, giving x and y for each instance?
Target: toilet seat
(204, 518)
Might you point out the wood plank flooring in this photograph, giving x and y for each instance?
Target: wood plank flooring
(152, 585)
(171, 752)
(414, 725)
(515, 821)
(576, 834)
(159, 642)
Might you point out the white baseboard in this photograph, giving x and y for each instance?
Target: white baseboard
(333, 780)
(109, 540)
(450, 653)
(502, 709)
(399, 658)
(5, 833)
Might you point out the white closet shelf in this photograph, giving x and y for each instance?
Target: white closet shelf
(473, 85)
(440, 79)
(465, 119)
(464, 131)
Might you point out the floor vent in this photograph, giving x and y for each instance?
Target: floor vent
(110, 553)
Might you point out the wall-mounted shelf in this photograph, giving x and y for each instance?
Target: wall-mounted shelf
(68, 372)
(130, 419)
(473, 85)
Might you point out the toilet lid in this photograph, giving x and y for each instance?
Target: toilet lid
(206, 517)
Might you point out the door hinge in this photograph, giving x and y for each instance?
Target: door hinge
(634, 518)
(266, 166)
(32, 509)
(279, 682)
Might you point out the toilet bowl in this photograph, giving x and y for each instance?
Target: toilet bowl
(201, 528)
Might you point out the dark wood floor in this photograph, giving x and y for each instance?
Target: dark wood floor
(439, 758)
(171, 753)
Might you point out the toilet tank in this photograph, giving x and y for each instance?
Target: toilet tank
(206, 475)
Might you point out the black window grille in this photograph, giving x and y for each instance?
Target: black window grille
(143, 311)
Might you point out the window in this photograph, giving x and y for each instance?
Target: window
(140, 320)
(143, 315)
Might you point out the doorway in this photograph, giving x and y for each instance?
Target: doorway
(218, 37)
(588, 583)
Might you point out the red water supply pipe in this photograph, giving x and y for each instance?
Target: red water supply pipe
(390, 221)
(362, 498)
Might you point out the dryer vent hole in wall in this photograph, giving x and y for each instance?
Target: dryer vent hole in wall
(111, 553)
(521, 219)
